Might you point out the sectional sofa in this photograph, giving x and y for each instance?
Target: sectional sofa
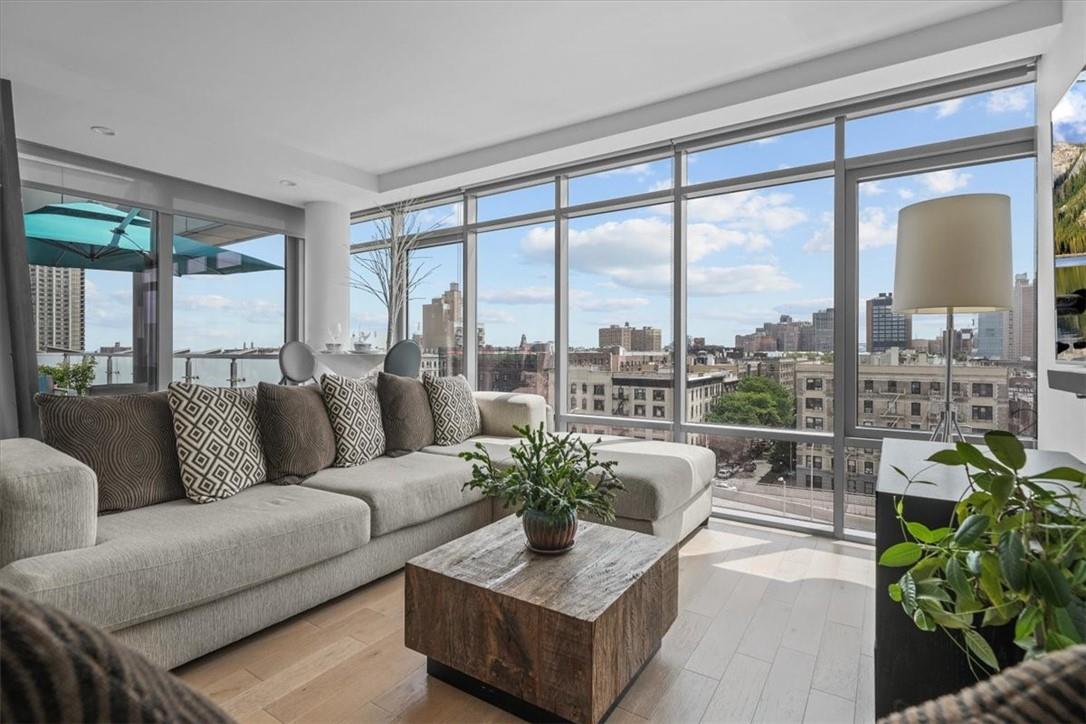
(176, 580)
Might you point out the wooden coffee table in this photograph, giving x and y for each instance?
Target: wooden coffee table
(545, 637)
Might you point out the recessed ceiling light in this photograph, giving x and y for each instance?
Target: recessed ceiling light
(103, 130)
(287, 182)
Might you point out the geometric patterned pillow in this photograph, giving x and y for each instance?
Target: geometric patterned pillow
(218, 442)
(355, 413)
(456, 414)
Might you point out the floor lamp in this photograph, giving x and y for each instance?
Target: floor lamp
(953, 255)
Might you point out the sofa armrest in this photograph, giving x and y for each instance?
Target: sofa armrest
(501, 410)
(48, 501)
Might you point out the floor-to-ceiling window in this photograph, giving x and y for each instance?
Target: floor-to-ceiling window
(229, 291)
(717, 290)
(93, 292)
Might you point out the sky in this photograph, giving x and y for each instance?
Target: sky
(752, 255)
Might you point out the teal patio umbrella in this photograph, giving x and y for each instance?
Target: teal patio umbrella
(93, 236)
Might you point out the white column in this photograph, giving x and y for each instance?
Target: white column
(327, 272)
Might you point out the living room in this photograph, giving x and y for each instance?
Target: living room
(499, 361)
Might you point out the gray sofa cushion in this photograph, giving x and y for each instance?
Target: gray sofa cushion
(294, 431)
(169, 557)
(48, 501)
(402, 491)
(660, 477)
(127, 440)
(405, 414)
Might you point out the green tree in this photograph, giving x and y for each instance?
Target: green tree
(762, 402)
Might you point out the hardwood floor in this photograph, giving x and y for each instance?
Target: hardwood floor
(773, 626)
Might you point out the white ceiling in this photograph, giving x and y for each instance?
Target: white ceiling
(358, 102)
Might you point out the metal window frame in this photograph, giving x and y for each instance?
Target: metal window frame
(847, 173)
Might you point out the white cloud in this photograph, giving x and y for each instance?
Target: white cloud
(661, 185)
(522, 295)
(872, 188)
(1069, 115)
(946, 180)
(757, 210)
(948, 108)
(767, 140)
(715, 281)
(876, 228)
(583, 301)
(1007, 100)
(496, 316)
(906, 193)
(822, 239)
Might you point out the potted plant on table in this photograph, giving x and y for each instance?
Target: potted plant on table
(1014, 551)
(551, 479)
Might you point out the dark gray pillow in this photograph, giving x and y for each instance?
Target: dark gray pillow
(295, 432)
(127, 440)
(405, 414)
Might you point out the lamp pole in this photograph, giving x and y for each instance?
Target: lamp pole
(948, 422)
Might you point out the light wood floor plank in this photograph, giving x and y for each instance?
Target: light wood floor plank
(686, 700)
(736, 697)
(784, 696)
(774, 625)
(838, 665)
(823, 708)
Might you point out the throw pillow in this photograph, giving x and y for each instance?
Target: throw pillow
(60, 669)
(405, 413)
(218, 443)
(126, 440)
(456, 414)
(355, 413)
(295, 432)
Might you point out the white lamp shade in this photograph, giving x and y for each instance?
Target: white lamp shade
(955, 252)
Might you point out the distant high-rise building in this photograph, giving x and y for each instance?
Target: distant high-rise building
(1023, 319)
(442, 319)
(885, 329)
(58, 299)
(993, 335)
(823, 330)
(634, 339)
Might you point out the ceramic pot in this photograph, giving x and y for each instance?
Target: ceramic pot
(547, 533)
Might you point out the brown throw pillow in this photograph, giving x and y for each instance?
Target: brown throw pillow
(60, 669)
(405, 414)
(127, 440)
(295, 432)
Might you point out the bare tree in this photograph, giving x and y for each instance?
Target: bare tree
(386, 272)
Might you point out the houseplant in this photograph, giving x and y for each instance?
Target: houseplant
(66, 376)
(552, 478)
(1013, 551)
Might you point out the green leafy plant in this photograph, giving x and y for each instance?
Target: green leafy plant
(77, 377)
(1013, 551)
(557, 475)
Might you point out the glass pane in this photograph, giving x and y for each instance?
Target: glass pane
(861, 473)
(620, 312)
(760, 302)
(998, 110)
(435, 313)
(635, 432)
(788, 150)
(433, 218)
(228, 309)
(516, 310)
(761, 476)
(372, 230)
(1069, 192)
(625, 181)
(90, 308)
(368, 306)
(901, 372)
(515, 203)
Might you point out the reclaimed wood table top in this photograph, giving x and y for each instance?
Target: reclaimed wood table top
(581, 583)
